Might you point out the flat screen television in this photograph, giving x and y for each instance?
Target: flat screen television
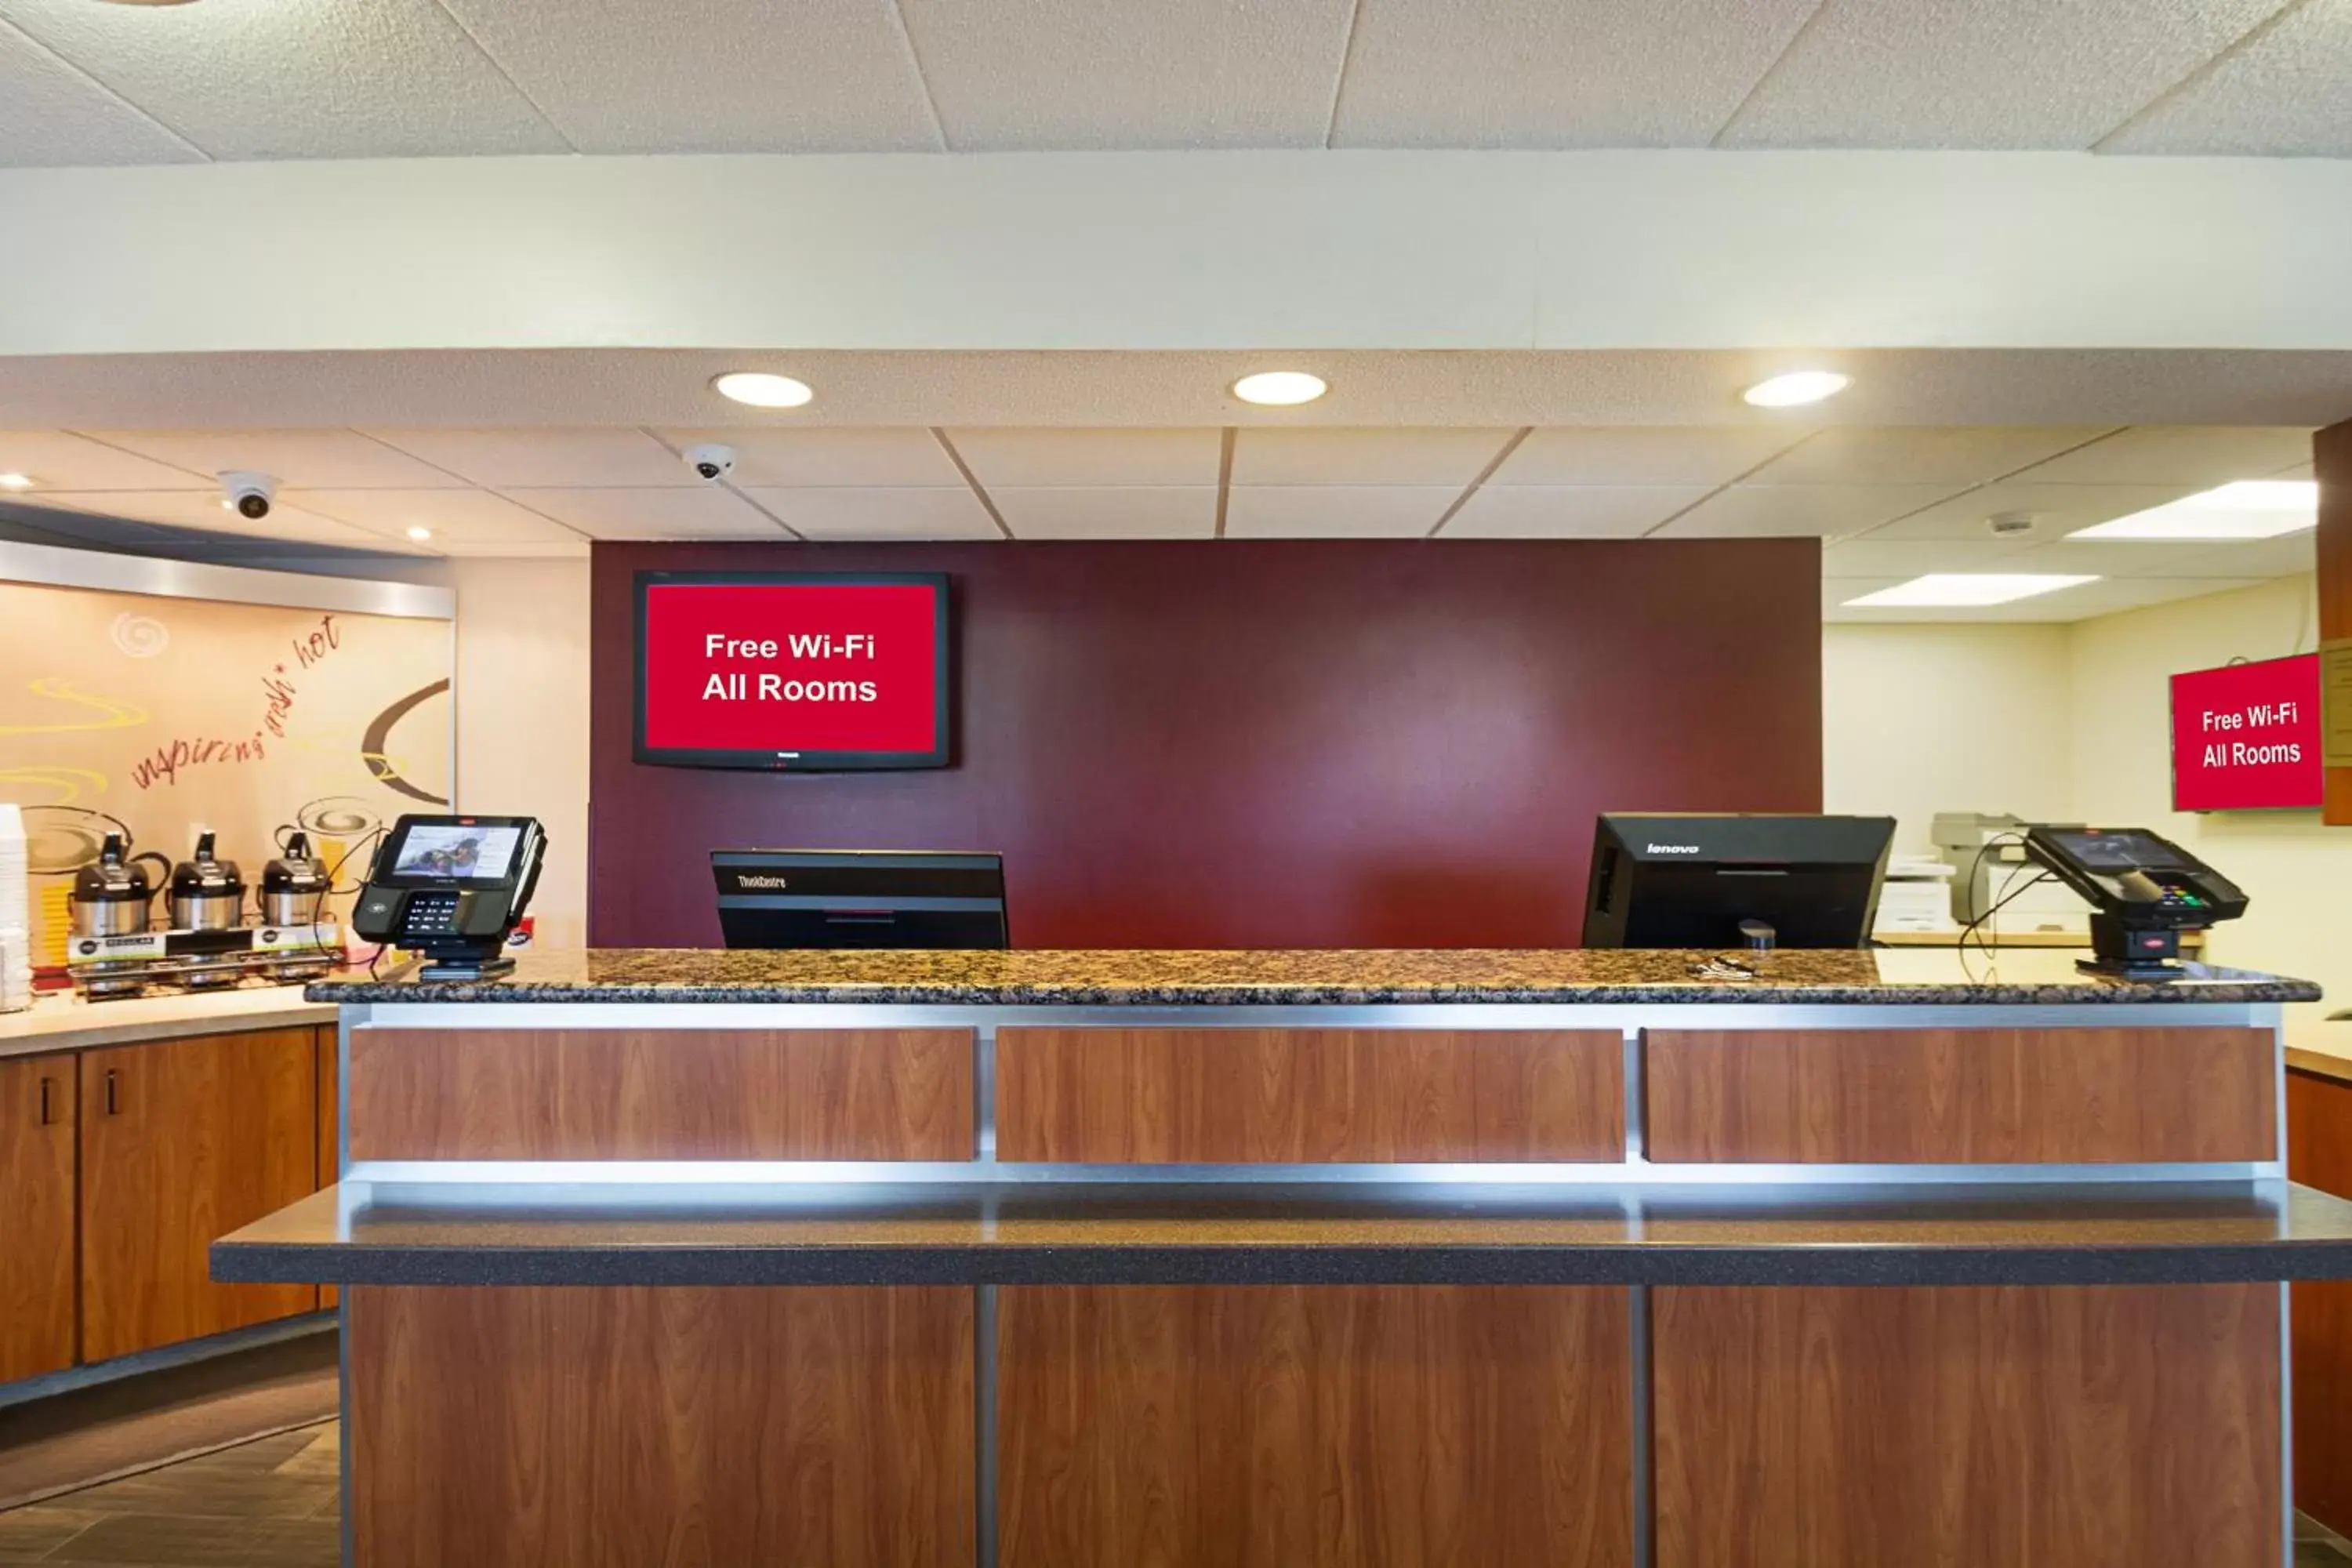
(817, 672)
(2246, 737)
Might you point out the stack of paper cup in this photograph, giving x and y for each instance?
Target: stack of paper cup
(15, 913)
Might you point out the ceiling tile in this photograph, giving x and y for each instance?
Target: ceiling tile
(900, 456)
(2056, 509)
(712, 76)
(2196, 455)
(2184, 558)
(705, 512)
(881, 513)
(1568, 512)
(2279, 93)
(461, 520)
(1675, 454)
(1928, 455)
(1108, 512)
(328, 79)
(2263, 557)
(1336, 511)
(1905, 559)
(53, 116)
(301, 460)
(289, 520)
(1139, 74)
(58, 460)
(1982, 73)
(1828, 510)
(505, 459)
(1089, 457)
(1541, 73)
(1343, 457)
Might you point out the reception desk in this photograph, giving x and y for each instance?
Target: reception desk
(1492, 1258)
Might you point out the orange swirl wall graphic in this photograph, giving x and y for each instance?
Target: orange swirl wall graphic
(168, 715)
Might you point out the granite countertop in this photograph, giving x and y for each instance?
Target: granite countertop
(1375, 1234)
(1119, 978)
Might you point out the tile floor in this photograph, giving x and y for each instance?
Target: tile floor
(272, 1503)
(269, 1503)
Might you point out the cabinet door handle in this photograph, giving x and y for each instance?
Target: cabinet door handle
(112, 1100)
(48, 1097)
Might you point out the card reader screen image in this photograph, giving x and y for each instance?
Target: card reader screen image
(474, 853)
(2123, 851)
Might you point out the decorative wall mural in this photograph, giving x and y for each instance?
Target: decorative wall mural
(157, 718)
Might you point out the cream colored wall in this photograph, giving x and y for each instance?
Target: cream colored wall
(1921, 719)
(2296, 873)
(522, 718)
(2074, 723)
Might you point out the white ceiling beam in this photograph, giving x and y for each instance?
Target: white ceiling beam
(1176, 251)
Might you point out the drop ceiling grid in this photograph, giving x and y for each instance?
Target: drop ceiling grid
(104, 84)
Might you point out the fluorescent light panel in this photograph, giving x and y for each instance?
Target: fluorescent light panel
(1963, 590)
(2249, 509)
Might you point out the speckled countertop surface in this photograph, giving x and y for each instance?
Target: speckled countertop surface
(1113, 978)
(1369, 1234)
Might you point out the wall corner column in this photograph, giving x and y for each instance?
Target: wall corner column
(2332, 465)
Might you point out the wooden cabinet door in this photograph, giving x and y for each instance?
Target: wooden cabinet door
(183, 1141)
(36, 1216)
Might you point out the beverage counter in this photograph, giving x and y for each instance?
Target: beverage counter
(1601, 1257)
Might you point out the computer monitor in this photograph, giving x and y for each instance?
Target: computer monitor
(860, 899)
(1678, 880)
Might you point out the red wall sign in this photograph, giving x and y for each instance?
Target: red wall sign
(791, 672)
(2246, 736)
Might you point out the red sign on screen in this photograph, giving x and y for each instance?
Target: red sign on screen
(2246, 736)
(810, 672)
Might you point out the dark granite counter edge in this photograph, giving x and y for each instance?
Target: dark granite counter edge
(2090, 994)
(1290, 1264)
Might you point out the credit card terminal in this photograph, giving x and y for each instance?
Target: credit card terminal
(2144, 892)
(452, 888)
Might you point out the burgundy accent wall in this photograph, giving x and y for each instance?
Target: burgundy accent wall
(1307, 743)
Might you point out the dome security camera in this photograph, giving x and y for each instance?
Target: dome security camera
(710, 461)
(249, 495)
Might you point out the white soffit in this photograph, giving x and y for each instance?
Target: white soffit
(1239, 251)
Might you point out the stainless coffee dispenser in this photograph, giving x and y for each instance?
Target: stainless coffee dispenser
(112, 897)
(294, 889)
(207, 894)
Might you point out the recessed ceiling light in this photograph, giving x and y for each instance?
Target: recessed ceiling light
(15, 481)
(1280, 388)
(1797, 388)
(1954, 590)
(2250, 509)
(762, 390)
(420, 533)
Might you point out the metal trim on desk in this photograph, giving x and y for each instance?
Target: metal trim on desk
(1759, 1014)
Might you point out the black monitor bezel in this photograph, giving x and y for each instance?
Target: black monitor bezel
(942, 753)
(388, 855)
